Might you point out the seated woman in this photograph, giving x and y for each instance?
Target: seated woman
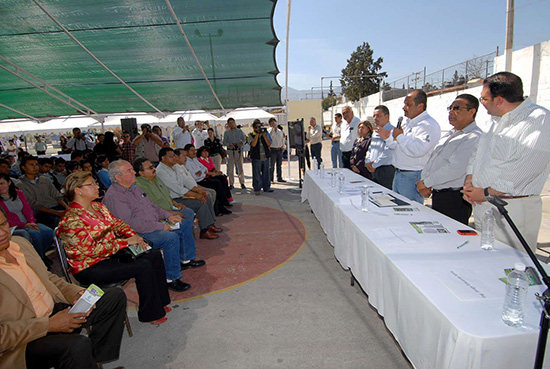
(360, 147)
(209, 177)
(20, 215)
(92, 235)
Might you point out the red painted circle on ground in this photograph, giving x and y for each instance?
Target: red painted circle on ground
(255, 240)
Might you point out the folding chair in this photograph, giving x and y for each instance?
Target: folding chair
(65, 269)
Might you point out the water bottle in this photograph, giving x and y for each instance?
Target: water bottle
(516, 291)
(316, 167)
(322, 170)
(341, 179)
(333, 179)
(487, 231)
(365, 195)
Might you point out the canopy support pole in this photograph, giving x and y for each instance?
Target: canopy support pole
(68, 33)
(193, 52)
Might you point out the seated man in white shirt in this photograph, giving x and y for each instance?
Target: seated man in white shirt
(217, 183)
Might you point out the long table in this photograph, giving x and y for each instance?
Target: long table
(441, 302)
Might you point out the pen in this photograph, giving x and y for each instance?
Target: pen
(464, 244)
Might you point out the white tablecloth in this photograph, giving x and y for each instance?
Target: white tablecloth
(442, 303)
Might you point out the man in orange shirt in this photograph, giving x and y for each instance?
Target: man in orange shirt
(36, 328)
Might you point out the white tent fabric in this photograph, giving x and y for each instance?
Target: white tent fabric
(16, 126)
(245, 116)
(190, 116)
(63, 124)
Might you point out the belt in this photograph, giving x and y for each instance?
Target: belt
(451, 189)
(514, 197)
(406, 170)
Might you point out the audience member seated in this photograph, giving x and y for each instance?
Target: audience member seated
(184, 189)
(45, 200)
(93, 239)
(5, 167)
(103, 173)
(37, 329)
(77, 155)
(58, 171)
(130, 204)
(16, 167)
(20, 215)
(360, 148)
(215, 148)
(73, 166)
(208, 179)
(89, 166)
(45, 170)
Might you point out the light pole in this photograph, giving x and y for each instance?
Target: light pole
(210, 35)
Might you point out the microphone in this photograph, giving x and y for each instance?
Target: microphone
(399, 121)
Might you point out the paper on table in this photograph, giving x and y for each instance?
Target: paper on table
(467, 284)
(393, 236)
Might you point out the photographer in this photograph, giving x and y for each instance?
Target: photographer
(79, 141)
(148, 144)
(260, 141)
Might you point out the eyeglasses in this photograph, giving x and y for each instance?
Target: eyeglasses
(482, 99)
(89, 184)
(456, 108)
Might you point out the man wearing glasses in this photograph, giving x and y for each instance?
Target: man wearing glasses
(512, 160)
(128, 148)
(444, 174)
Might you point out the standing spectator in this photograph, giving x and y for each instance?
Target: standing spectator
(63, 145)
(79, 141)
(127, 147)
(512, 159)
(335, 152)
(234, 139)
(40, 147)
(199, 134)
(46, 202)
(112, 150)
(99, 147)
(348, 134)
(412, 144)
(148, 144)
(315, 139)
(277, 147)
(260, 154)
(181, 134)
(360, 147)
(215, 148)
(158, 131)
(379, 156)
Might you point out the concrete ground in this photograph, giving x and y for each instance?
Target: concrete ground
(302, 315)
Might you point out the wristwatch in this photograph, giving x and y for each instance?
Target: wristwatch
(486, 191)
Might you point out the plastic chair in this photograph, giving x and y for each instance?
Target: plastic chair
(65, 269)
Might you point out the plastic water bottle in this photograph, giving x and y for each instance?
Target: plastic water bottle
(341, 179)
(365, 194)
(316, 167)
(516, 291)
(322, 170)
(333, 179)
(487, 231)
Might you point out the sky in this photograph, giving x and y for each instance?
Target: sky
(409, 35)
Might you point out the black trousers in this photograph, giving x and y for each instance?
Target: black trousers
(383, 175)
(72, 350)
(452, 204)
(150, 275)
(346, 155)
(276, 161)
(220, 185)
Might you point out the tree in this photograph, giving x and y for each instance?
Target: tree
(331, 91)
(355, 84)
(329, 102)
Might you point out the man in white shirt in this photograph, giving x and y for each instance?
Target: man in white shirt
(379, 156)
(348, 134)
(512, 160)
(335, 152)
(199, 134)
(412, 144)
(444, 174)
(315, 138)
(276, 149)
(181, 134)
(79, 141)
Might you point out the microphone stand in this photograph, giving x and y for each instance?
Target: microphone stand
(545, 298)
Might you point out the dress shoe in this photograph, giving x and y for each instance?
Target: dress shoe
(257, 193)
(193, 264)
(243, 186)
(159, 321)
(178, 286)
(225, 211)
(215, 229)
(270, 190)
(281, 180)
(208, 235)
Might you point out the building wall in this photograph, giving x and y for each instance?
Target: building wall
(304, 109)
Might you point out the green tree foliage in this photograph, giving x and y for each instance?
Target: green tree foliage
(329, 102)
(361, 63)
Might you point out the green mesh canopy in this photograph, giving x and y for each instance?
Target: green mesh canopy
(140, 42)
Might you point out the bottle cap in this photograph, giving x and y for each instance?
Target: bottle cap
(520, 267)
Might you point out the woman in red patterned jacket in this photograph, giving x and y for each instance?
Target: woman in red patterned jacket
(92, 235)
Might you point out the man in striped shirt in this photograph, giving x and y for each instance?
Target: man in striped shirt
(512, 159)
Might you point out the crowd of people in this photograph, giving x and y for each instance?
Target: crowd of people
(465, 166)
(115, 206)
